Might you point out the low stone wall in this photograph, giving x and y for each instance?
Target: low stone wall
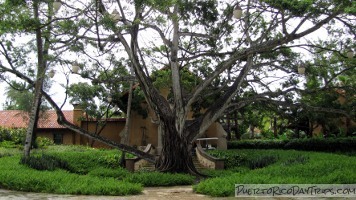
(207, 160)
(134, 164)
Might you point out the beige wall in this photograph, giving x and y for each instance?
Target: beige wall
(68, 136)
(111, 131)
(143, 130)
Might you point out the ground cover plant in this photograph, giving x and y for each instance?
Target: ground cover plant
(289, 167)
(77, 170)
(96, 172)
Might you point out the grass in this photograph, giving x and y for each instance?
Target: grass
(291, 167)
(91, 171)
(87, 171)
(20, 177)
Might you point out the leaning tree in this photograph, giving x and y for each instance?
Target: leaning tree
(242, 52)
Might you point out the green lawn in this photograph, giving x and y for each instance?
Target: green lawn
(288, 167)
(96, 172)
(88, 171)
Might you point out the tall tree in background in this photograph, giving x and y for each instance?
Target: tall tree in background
(336, 74)
(18, 97)
(28, 21)
(43, 45)
(58, 37)
(246, 58)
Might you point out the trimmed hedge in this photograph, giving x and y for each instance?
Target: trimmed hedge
(257, 144)
(305, 144)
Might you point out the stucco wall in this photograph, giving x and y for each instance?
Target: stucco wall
(68, 136)
(143, 130)
(111, 131)
(216, 130)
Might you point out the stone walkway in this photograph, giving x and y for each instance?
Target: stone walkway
(156, 193)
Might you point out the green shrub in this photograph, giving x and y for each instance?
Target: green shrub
(231, 159)
(268, 134)
(5, 155)
(5, 134)
(16, 135)
(43, 142)
(300, 159)
(44, 162)
(257, 144)
(118, 173)
(80, 162)
(9, 151)
(110, 160)
(262, 161)
(7, 144)
(323, 144)
(245, 136)
(307, 144)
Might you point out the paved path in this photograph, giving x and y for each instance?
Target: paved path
(156, 193)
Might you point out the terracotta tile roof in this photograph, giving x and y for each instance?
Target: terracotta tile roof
(19, 119)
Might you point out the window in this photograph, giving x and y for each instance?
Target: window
(58, 138)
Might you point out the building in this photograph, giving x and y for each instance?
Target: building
(143, 130)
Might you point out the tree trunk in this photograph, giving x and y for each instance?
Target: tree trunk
(228, 127)
(237, 133)
(252, 131)
(275, 127)
(33, 120)
(348, 124)
(124, 135)
(176, 154)
(41, 66)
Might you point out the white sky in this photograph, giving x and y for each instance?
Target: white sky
(58, 93)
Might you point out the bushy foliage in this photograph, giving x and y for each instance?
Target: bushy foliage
(300, 159)
(232, 159)
(321, 144)
(83, 160)
(110, 160)
(15, 135)
(257, 144)
(307, 144)
(118, 173)
(7, 144)
(43, 142)
(235, 159)
(5, 155)
(262, 161)
(44, 162)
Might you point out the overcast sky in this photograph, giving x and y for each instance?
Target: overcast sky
(58, 93)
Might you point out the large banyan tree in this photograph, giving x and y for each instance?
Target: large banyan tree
(242, 51)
